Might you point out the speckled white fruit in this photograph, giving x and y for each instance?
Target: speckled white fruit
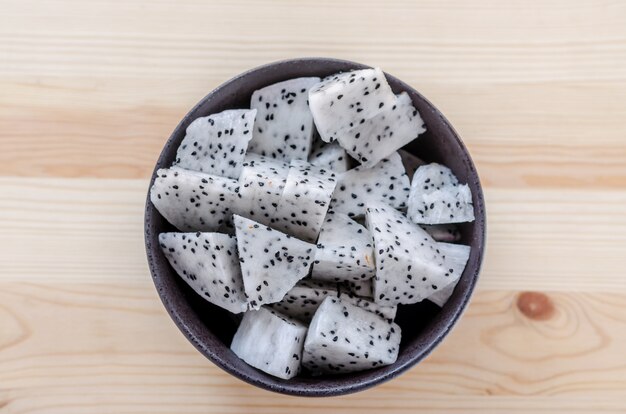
(456, 256)
(373, 139)
(216, 144)
(343, 338)
(341, 101)
(193, 201)
(261, 186)
(330, 156)
(302, 301)
(270, 342)
(345, 250)
(271, 262)
(385, 182)
(305, 199)
(437, 197)
(208, 262)
(409, 265)
(284, 125)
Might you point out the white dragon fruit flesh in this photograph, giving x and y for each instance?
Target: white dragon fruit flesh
(411, 162)
(193, 201)
(304, 298)
(270, 342)
(437, 197)
(261, 186)
(362, 288)
(330, 156)
(340, 102)
(343, 338)
(345, 250)
(284, 125)
(385, 182)
(448, 233)
(305, 199)
(271, 262)
(409, 265)
(302, 301)
(208, 262)
(373, 139)
(456, 256)
(216, 144)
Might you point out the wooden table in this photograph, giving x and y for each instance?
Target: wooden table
(90, 90)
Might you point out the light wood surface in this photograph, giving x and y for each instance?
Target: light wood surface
(90, 90)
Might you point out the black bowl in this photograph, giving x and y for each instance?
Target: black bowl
(424, 325)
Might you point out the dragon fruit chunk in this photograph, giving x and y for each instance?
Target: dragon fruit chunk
(271, 262)
(340, 102)
(409, 265)
(194, 201)
(437, 197)
(386, 312)
(270, 342)
(261, 186)
(456, 256)
(216, 144)
(208, 263)
(345, 250)
(284, 125)
(304, 298)
(305, 199)
(411, 162)
(375, 138)
(385, 182)
(362, 288)
(448, 233)
(344, 338)
(302, 301)
(330, 156)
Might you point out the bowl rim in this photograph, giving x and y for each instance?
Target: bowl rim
(285, 388)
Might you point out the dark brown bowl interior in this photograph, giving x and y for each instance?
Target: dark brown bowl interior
(424, 325)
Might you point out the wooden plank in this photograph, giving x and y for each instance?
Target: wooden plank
(92, 230)
(563, 42)
(110, 347)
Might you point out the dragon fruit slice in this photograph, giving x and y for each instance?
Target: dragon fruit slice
(216, 144)
(409, 265)
(304, 298)
(340, 102)
(362, 288)
(387, 312)
(305, 200)
(411, 162)
(373, 139)
(343, 338)
(270, 342)
(284, 125)
(345, 250)
(271, 262)
(330, 157)
(385, 182)
(456, 256)
(261, 185)
(443, 232)
(194, 201)
(208, 262)
(437, 197)
(302, 301)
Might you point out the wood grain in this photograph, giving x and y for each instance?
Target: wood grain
(89, 91)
